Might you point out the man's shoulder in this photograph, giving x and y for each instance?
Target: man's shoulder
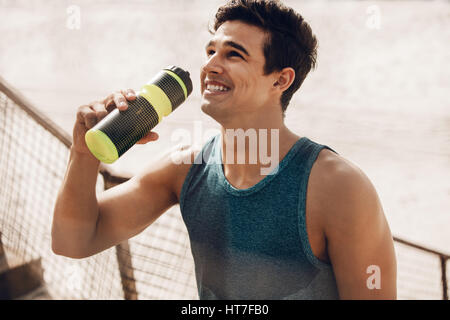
(336, 171)
(341, 186)
(170, 167)
(183, 154)
(180, 159)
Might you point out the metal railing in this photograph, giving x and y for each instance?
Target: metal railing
(154, 265)
(443, 258)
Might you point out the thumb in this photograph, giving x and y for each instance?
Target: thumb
(151, 136)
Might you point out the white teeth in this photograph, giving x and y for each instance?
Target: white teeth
(216, 88)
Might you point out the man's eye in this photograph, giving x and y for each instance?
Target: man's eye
(234, 54)
(209, 52)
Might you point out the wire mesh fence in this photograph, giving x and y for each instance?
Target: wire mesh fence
(156, 264)
(32, 166)
(419, 273)
(162, 262)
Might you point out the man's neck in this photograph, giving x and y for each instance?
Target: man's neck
(249, 154)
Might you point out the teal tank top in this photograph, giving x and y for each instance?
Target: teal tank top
(252, 243)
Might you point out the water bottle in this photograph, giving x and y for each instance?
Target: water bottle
(120, 130)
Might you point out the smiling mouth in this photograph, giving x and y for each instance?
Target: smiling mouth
(216, 89)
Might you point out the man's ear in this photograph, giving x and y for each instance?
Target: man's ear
(284, 79)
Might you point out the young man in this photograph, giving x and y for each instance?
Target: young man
(313, 228)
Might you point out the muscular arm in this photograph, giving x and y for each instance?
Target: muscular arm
(76, 208)
(85, 224)
(360, 244)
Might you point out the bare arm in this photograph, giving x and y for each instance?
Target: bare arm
(77, 209)
(129, 208)
(360, 243)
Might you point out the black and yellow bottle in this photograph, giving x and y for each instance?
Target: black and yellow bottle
(120, 130)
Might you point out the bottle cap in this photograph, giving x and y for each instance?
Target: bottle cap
(184, 76)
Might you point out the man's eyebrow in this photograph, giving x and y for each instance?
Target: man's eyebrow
(237, 46)
(231, 44)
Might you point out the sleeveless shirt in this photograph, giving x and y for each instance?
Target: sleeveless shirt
(252, 243)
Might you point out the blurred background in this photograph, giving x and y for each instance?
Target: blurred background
(379, 95)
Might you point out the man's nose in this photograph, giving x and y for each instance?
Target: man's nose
(213, 65)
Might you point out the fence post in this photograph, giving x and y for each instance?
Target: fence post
(3, 260)
(444, 277)
(126, 271)
(123, 249)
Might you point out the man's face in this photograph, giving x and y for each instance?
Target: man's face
(233, 83)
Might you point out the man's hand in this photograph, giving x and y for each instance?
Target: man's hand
(88, 116)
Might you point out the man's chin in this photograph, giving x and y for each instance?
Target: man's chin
(206, 106)
(214, 110)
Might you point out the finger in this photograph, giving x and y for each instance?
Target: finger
(120, 101)
(86, 116)
(129, 94)
(151, 136)
(100, 110)
(82, 112)
(109, 103)
(90, 118)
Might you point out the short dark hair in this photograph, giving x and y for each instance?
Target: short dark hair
(291, 42)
